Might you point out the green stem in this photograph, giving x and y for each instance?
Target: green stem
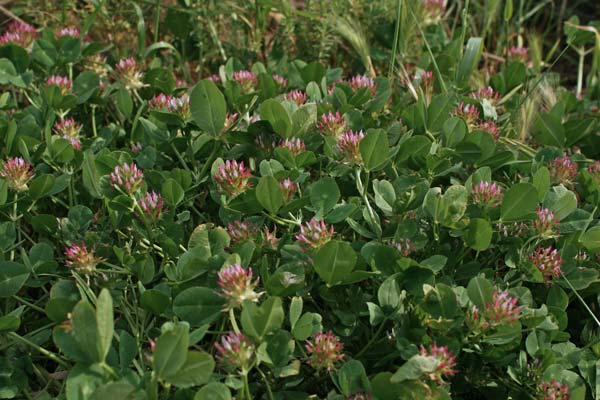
(396, 39)
(180, 158)
(234, 324)
(45, 352)
(209, 160)
(247, 386)
(373, 339)
(156, 20)
(267, 386)
(94, 131)
(27, 303)
(580, 299)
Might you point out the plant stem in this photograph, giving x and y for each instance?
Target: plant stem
(209, 160)
(373, 339)
(45, 352)
(396, 39)
(581, 299)
(27, 303)
(233, 321)
(267, 386)
(94, 131)
(156, 20)
(581, 52)
(247, 386)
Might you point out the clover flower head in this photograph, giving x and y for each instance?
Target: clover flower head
(97, 63)
(19, 33)
(153, 205)
(288, 187)
(324, 351)
(348, 146)
(232, 178)
(247, 79)
(314, 234)
(547, 261)
(297, 96)
(552, 390)
(486, 93)
(468, 112)
(269, 238)
(562, 169)
(404, 246)
(518, 54)
(332, 124)
(69, 129)
(240, 231)
(358, 82)
(503, 309)
(487, 194)
(281, 81)
(546, 222)
(63, 83)
(230, 120)
(127, 178)
(214, 78)
(237, 285)
(434, 10)
(129, 74)
(81, 259)
(446, 362)
(160, 102)
(294, 145)
(68, 31)
(265, 143)
(490, 127)
(17, 172)
(594, 170)
(181, 106)
(236, 351)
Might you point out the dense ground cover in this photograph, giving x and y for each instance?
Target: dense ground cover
(402, 206)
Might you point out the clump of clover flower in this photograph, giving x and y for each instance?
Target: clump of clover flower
(297, 96)
(552, 390)
(468, 112)
(214, 78)
(545, 223)
(490, 127)
(265, 142)
(240, 231)
(153, 205)
(348, 146)
(181, 106)
(62, 82)
(236, 352)
(314, 234)
(18, 33)
(81, 259)
(332, 125)
(434, 10)
(160, 102)
(404, 246)
(17, 172)
(129, 74)
(547, 261)
(359, 82)
(247, 80)
(281, 81)
(562, 169)
(232, 178)
(68, 31)
(487, 194)
(288, 187)
(324, 351)
(269, 239)
(518, 54)
(126, 178)
(237, 285)
(594, 171)
(294, 145)
(69, 129)
(97, 63)
(446, 362)
(136, 147)
(503, 309)
(486, 93)
(230, 120)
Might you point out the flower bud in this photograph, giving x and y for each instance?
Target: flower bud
(17, 173)
(126, 178)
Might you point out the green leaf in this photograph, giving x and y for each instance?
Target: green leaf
(414, 368)
(479, 234)
(307, 325)
(198, 305)
(9, 323)
(562, 201)
(213, 391)
(388, 294)
(41, 186)
(85, 330)
(324, 195)
(196, 370)
(259, 321)
(374, 149)
(541, 181)
(480, 291)
(304, 118)
(273, 112)
(172, 192)
(591, 238)
(295, 310)
(155, 301)
(124, 102)
(208, 107)
(352, 378)
(519, 200)
(269, 194)
(104, 320)
(12, 277)
(549, 130)
(508, 10)
(470, 60)
(334, 262)
(170, 352)
(114, 390)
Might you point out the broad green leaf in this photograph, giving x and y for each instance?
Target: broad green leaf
(414, 368)
(273, 112)
(170, 352)
(213, 391)
(374, 149)
(480, 291)
(196, 370)
(208, 107)
(541, 181)
(479, 234)
(85, 329)
(304, 118)
(172, 192)
(259, 321)
(104, 321)
(198, 305)
(12, 277)
(470, 60)
(591, 238)
(549, 130)
(269, 194)
(324, 195)
(306, 326)
(295, 310)
(41, 186)
(334, 262)
(520, 200)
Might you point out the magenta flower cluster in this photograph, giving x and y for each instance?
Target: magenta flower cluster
(62, 82)
(18, 33)
(69, 129)
(446, 362)
(324, 351)
(487, 194)
(503, 309)
(547, 261)
(236, 351)
(332, 125)
(129, 74)
(81, 259)
(297, 96)
(314, 234)
(562, 170)
(127, 178)
(17, 172)
(232, 178)
(294, 145)
(237, 285)
(348, 146)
